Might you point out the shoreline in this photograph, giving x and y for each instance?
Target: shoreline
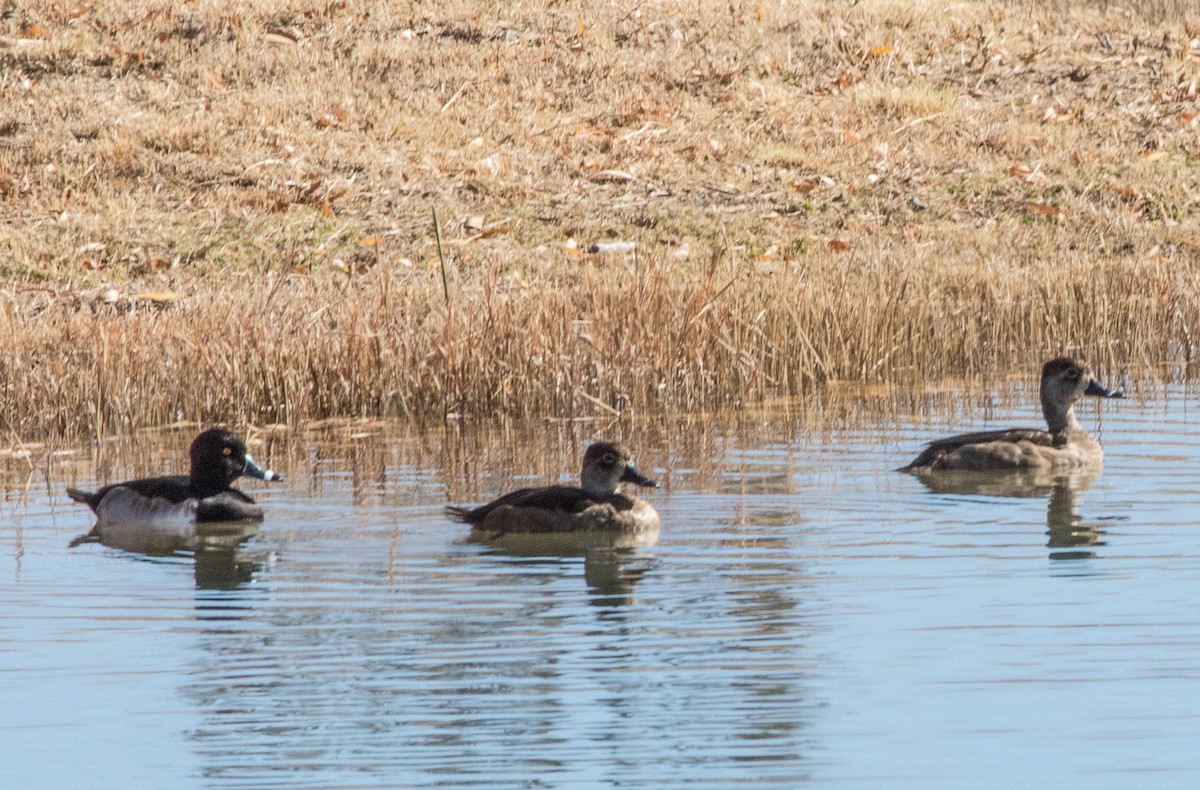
(228, 217)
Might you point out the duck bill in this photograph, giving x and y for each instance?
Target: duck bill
(632, 475)
(1098, 390)
(252, 469)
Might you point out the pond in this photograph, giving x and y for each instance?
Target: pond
(807, 614)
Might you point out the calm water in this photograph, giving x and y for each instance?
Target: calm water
(807, 616)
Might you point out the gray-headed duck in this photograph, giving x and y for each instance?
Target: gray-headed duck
(598, 505)
(1064, 445)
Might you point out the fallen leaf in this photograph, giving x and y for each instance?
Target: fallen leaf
(499, 229)
(1129, 193)
(1154, 156)
(837, 245)
(1046, 210)
(850, 136)
(34, 31)
(1022, 172)
(160, 297)
(369, 241)
(279, 38)
(806, 185)
(605, 176)
(879, 52)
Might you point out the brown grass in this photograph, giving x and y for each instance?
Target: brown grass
(224, 212)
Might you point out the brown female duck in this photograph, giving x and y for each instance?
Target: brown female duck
(1065, 444)
(598, 505)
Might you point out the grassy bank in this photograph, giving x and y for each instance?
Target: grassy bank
(224, 212)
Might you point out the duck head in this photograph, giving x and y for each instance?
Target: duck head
(606, 466)
(1065, 381)
(219, 457)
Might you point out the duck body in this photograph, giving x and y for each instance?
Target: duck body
(1014, 448)
(166, 500)
(1064, 444)
(597, 506)
(172, 505)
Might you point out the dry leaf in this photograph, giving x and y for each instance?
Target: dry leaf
(1046, 210)
(279, 38)
(475, 223)
(214, 80)
(1022, 172)
(1154, 156)
(499, 229)
(337, 116)
(850, 136)
(1129, 193)
(34, 31)
(326, 209)
(806, 185)
(612, 175)
(369, 241)
(159, 297)
(837, 245)
(879, 52)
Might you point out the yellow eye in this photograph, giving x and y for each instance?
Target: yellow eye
(228, 451)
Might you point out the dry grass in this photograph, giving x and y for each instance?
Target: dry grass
(888, 192)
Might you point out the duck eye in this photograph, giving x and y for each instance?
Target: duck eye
(1074, 373)
(609, 459)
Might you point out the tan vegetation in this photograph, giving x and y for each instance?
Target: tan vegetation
(216, 211)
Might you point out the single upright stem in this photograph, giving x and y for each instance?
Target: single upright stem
(437, 232)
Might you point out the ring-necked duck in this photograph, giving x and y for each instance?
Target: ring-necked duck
(1064, 445)
(598, 505)
(218, 458)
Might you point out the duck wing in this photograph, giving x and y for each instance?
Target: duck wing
(174, 489)
(935, 451)
(562, 498)
(229, 505)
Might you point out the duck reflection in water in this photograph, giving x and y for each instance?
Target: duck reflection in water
(1067, 530)
(212, 547)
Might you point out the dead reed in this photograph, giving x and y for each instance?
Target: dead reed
(218, 213)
